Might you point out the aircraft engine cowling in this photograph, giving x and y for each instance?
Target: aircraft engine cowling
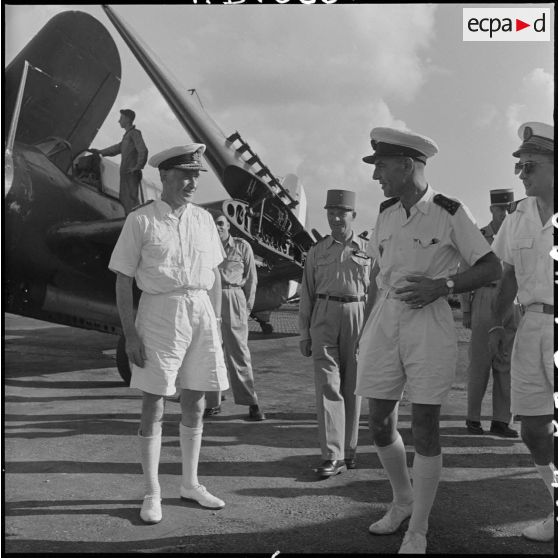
(240, 215)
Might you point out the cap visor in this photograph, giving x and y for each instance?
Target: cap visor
(532, 149)
(184, 167)
(370, 159)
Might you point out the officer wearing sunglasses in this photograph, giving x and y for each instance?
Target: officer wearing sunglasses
(477, 316)
(524, 243)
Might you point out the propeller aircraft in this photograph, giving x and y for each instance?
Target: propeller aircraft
(62, 215)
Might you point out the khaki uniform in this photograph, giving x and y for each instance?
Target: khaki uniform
(338, 270)
(524, 242)
(238, 281)
(134, 156)
(480, 303)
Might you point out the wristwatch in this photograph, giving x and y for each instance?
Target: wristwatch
(450, 284)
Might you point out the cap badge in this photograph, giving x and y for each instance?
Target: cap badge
(527, 133)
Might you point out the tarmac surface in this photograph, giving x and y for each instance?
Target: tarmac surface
(73, 482)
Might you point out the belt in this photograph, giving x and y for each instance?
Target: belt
(231, 286)
(540, 307)
(181, 291)
(349, 298)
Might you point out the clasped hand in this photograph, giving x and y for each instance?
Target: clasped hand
(420, 292)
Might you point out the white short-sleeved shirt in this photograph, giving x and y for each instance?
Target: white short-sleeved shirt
(524, 242)
(430, 242)
(166, 253)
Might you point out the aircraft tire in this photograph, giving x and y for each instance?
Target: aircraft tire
(122, 362)
(267, 328)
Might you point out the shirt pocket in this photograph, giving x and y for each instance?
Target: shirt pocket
(160, 248)
(201, 243)
(362, 264)
(325, 260)
(424, 250)
(384, 245)
(524, 257)
(233, 267)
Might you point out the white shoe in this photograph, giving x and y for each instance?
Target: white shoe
(542, 531)
(151, 510)
(392, 519)
(413, 543)
(200, 495)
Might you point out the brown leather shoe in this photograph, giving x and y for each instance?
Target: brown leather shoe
(501, 429)
(330, 468)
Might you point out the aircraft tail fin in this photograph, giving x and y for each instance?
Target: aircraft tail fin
(72, 83)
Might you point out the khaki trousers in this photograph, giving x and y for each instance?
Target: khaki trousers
(481, 362)
(334, 329)
(234, 329)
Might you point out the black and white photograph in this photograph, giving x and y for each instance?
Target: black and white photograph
(278, 278)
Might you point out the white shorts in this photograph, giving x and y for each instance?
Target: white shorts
(532, 366)
(181, 339)
(401, 345)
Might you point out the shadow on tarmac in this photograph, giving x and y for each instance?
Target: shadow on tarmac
(72, 475)
(461, 532)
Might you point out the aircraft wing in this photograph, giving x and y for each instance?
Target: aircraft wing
(104, 232)
(71, 85)
(268, 207)
(87, 246)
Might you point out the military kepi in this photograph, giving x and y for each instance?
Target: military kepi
(185, 157)
(341, 199)
(537, 137)
(390, 142)
(503, 196)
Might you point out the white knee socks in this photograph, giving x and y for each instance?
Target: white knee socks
(150, 447)
(394, 461)
(190, 444)
(426, 476)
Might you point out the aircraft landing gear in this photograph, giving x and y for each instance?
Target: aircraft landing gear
(122, 362)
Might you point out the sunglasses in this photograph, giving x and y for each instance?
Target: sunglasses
(527, 167)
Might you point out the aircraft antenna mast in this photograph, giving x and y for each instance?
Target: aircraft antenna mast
(195, 91)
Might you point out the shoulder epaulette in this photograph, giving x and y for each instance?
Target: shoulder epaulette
(451, 206)
(388, 203)
(241, 240)
(513, 205)
(142, 204)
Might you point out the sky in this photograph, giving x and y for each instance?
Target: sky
(305, 84)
